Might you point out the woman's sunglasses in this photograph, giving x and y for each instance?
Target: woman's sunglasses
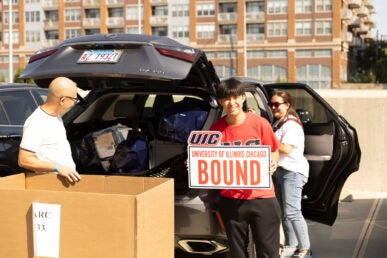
(275, 104)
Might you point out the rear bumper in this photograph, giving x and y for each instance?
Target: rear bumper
(198, 230)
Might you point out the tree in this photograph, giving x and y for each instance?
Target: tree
(16, 77)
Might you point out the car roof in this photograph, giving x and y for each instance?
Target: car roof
(7, 86)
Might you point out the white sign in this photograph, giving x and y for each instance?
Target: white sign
(238, 167)
(46, 229)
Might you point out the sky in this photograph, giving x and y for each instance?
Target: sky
(381, 16)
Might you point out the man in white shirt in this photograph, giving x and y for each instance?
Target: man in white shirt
(44, 146)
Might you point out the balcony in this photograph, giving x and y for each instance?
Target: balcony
(51, 24)
(227, 38)
(369, 3)
(92, 22)
(158, 2)
(346, 36)
(50, 42)
(259, 38)
(227, 17)
(362, 12)
(354, 23)
(115, 22)
(255, 17)
(346, 14)
(370, 21)
(91, 3)
(159, 20)
(363, 29)
(114, 3)
(354, 4)
(50, 4)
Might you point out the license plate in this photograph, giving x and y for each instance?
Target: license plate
(103, 56)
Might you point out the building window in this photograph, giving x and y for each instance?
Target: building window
(73, 15)
(132, 12)
(6, 2)
(255, 28)
(255, 7)
(268, 73)
(276, 29)
(210, 54)
(160, 31)
(303, 28)
(205, 31)
(277, 53)
(15, 17)
(303, 6)
(180, 10)
(52, 35)
(315, 75)
(255, 54)
(72, 33)
(225, 71)
(116, 12)
(15, 37)
(32, 36)
(304, 53)
(33, 16)
(277, 6)
(227, 54)
(323, 5)
(180, 32)
(134, 30)
(324, 27)
(205, 9)
(323, 52)
(160, 10)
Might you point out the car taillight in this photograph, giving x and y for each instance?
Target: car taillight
(185, 56)
(41, 55)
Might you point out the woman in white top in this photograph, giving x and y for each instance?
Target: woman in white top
(291, 175)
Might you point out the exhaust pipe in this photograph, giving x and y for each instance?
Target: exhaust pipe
(205, 247)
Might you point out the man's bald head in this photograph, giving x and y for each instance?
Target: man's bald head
(62, 86)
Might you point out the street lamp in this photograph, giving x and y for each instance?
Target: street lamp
(10, 58)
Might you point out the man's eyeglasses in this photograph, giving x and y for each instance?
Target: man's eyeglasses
(275, 104)
(75, 100)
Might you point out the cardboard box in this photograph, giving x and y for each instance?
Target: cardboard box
(101, 216)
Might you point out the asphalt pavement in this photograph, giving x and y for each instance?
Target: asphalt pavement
(360, 230)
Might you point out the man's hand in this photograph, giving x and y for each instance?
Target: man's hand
(68, 173)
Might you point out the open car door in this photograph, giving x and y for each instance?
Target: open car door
(331, 147)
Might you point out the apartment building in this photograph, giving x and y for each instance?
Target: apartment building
(310, 41)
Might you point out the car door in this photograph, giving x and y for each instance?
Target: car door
(331, 147)
(15, 106)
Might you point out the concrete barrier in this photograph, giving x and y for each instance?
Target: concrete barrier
(366, 110)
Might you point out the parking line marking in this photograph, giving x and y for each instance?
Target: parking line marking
(362, 242)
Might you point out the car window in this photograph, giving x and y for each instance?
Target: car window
(18, 105)
(308, 108)
(3, 118)
(40, 95)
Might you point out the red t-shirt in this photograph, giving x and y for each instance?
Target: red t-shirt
(255, 130)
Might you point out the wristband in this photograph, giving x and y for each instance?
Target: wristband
(56, 169)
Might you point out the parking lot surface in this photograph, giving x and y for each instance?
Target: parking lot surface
(360, 230)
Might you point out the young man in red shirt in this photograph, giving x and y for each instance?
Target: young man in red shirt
(241, 208)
